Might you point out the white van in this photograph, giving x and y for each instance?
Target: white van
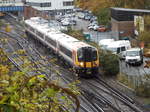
(119, 46)
(134, 56)
(104, 43)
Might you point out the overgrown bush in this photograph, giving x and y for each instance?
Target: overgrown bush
(141, 85)
(20, 92)
(109, 63)
(103, 16)
(143, 89)
(75, 33)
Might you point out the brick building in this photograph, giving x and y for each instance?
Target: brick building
(122, 21)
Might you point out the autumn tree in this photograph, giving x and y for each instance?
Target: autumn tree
(101, 7)
(144, 36)
(22, 93)
(136, 4)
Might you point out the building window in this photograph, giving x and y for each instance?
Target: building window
(68, 3)
(48, 4)
(33, 4)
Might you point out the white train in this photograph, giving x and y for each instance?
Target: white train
(81, 56)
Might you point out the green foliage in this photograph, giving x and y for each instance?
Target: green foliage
(75, 33)
(22, 93)
(1, 23)
(143, 89)
(101, 7)
(103, 16)
(144, 36)
(123, 78)
(34, 94)
(109, 63)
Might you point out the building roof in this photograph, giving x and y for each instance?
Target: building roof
(126, 14)
(131, 10)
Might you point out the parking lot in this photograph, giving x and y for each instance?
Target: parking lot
(95, 35)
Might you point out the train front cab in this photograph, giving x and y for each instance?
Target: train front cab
(87, 61)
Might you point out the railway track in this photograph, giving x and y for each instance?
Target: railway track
(94, 96)
(119, 100)
(10, 48)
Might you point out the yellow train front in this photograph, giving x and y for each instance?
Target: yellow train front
(86, 61)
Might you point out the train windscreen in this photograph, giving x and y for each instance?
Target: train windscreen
(87, 54)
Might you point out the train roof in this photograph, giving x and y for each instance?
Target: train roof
(43, 27)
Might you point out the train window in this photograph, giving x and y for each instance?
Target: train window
(40, 34)
(66, 51)
(80, 55)
(87, 54)
(94, 55)
(31, 29)
(50, 41)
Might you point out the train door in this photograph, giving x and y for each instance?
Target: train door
(74, 57)
(57, 47)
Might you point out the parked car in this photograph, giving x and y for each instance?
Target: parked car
(93, 27)
(65, 22)
(93, 18)
(87, 17)
(81, 15)
(73, 22)
(102, 28)
(134, 56)
(60, 18)
(93, 23)
(77, 9)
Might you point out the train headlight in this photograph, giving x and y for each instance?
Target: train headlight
(81, 63)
